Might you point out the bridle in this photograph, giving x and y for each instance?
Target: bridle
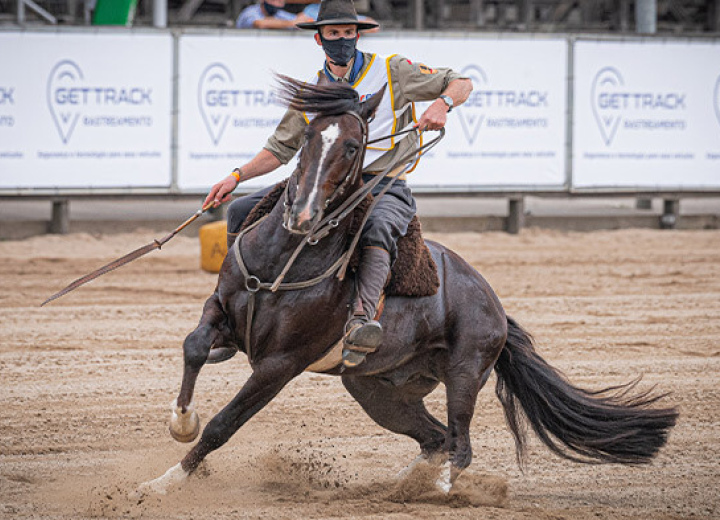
(354, 171)
(327, 223)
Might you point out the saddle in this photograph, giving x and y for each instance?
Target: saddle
(414, 272)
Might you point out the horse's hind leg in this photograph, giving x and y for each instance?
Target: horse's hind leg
(185, 424)
(400, 409)
(465, 376)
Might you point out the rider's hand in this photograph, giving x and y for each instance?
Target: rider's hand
(221, 192)
(434, 117)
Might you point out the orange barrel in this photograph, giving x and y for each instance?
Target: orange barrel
(213, 246)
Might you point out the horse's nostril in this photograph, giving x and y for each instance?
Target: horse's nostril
(305, 226)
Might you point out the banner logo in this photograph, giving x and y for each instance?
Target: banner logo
(615, 105)
(501, 109)
(716, 99)
(606, 82)
(65, 75)
(471, 119)
(214, 80)
(72, 102)
(223, 103)
(7, 96)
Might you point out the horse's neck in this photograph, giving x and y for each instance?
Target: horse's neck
(268, 248)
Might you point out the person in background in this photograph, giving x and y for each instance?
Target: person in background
(269, 14)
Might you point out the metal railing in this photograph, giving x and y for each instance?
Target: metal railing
(613, 16)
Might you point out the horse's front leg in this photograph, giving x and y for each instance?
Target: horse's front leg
(269, 377)
(185, 423)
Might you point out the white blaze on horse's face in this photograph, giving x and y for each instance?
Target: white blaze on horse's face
(329, 137)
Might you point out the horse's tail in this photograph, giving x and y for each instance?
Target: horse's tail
(609, 425)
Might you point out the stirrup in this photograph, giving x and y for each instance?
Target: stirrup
(362, 338)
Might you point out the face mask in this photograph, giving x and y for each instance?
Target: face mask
(270, 9)
(340, 51)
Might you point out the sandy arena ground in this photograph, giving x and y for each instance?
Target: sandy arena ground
(87, 382)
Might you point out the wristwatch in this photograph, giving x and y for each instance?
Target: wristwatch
(448, 101)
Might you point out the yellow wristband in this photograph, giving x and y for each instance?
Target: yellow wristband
(236, 173)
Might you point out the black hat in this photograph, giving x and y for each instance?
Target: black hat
(337, 12)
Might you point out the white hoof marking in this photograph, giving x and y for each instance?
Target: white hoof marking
(160, 486)
(444, 482)
(410, 467)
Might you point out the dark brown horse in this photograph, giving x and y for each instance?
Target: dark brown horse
(456, 337)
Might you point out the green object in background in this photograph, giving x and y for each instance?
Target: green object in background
(114, 12)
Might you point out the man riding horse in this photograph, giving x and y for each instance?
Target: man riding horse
(337, 29)
(457, 336)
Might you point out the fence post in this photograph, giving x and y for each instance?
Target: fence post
(646, 16)
(671, 214)
(419, 14)
(516, 215)
(477, 13)
(160, 13)
(60, 220)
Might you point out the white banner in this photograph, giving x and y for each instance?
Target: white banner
(95, 110)
(646, 115)
(511, 131)
(227, 107)
(85, 110)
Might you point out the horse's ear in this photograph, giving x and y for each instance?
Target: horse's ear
(371, 104)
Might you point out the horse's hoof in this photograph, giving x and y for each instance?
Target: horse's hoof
(406, 471)
(161, 485)
(448, 475)
(184, 427)
(220, 354)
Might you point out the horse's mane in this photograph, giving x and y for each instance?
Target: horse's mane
(322, 99)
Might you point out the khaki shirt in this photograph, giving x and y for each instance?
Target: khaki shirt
(410, 82)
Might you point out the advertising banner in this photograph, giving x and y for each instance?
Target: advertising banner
(511, 132)
(646, 115)
(85, 110)
(227, 101)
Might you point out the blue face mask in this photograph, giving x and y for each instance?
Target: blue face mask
(270, 9)
(340, 51)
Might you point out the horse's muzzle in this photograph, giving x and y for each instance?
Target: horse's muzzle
(302, 221)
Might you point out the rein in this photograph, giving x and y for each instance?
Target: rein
(324, 226)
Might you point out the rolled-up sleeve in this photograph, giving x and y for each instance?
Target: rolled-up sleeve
(289, 136)
(413, 81)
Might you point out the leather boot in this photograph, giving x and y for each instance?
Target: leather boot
(362, 333)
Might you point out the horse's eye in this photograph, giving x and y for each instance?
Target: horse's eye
(351, 148)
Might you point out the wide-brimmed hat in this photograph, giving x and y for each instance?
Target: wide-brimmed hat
(337, 12)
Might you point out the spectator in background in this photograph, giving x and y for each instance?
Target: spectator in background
(269, 14)
(312, 10)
